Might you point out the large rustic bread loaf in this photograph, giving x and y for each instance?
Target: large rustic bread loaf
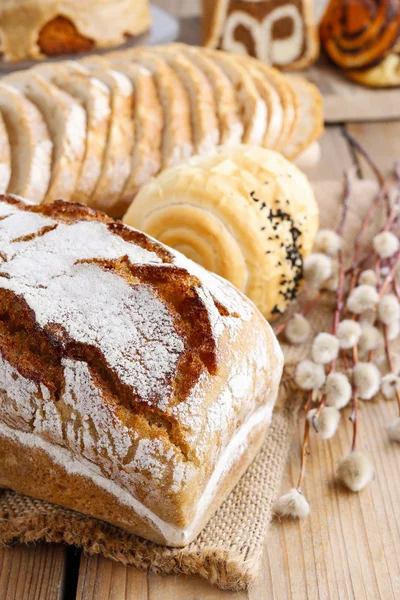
(134, 385)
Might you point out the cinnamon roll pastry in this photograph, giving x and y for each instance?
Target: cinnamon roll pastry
(245, 213)
(363, 38)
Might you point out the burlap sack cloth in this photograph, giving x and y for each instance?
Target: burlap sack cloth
(228, 552)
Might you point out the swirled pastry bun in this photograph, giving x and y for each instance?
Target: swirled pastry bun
(384, 74)
(245, 213)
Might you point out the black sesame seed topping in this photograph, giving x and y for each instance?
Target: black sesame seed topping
(252, 194)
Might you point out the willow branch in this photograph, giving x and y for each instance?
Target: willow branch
(305, 451)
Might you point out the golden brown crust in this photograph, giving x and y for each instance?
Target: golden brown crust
(35, 474)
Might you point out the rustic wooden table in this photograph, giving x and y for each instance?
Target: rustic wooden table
(349, 548)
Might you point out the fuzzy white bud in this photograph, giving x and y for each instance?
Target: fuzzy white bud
(394, 430)
(370, 337)
(367, 379)
(317, 268)
(325, 348)
(390, 384)
(388, 309)
(384, 271)
(355, 471)
(383, 365)
(393, 330)
(332, 283)
(327, 242)
(337, 390)
(298, 329)
(362, 298)
(309, 375)
(368, 277)
(349, 333)
(327, 421)
(293, 504)
(385, 244)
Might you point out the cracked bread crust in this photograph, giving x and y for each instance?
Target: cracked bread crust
(127, 364)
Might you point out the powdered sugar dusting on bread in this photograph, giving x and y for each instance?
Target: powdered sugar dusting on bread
(129, 324)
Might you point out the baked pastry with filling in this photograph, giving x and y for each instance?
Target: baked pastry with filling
(362, 37)
(34, 29)
(282, 34)
(245, 213)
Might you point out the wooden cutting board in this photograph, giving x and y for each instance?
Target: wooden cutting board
(346, 101)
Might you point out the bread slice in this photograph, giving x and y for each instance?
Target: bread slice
(5, 157)
(148, 126)
(309, 125)
(253, 110)
(94, 96)
(119, 147)
(203, 108)
(66, 122)
(288, 99)
(30, 145)
(177, 143)
(230, 125)
(275, 112)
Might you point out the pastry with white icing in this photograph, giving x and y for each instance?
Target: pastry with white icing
(135, 386)
(34, 29)
(30, 145)
(282, 34)
(245, 213)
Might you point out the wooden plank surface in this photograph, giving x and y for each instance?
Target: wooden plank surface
(345, 100)
(33, 572)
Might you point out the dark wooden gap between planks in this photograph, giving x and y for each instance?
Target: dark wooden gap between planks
(71, 573)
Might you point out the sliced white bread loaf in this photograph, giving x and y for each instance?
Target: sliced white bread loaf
(253, 110)
(30, 145)
(203, 107)
(94, 96)
(148, 120)
(177, 143)
(230, 125)
(309, 126)
(5, 158)
(66, 121)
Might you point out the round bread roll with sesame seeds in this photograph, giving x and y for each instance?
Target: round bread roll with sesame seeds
(245, 213)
